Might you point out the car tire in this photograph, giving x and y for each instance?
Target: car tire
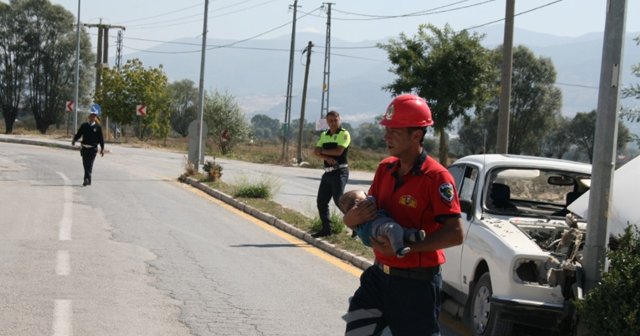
(482, 318)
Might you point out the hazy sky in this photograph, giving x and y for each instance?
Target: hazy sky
(352, 20)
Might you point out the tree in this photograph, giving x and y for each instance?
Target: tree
(225, 120)
(308, 132)
(50, 40)
(122, 91)
(633, 91)
(473, 136)
(582, 130)
(12, 67)
(37, 61)
(265, 128)
(184, 102)
(370, 135)
(535, 103)
(558, 140)
(450, 69)
(613, 306)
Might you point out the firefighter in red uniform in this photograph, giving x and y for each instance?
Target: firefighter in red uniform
(417, 192)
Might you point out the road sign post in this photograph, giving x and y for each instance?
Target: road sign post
(68, 107)
(141, 111)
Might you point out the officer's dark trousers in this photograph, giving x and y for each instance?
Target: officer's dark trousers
(409, 307)
(331, 186)
(88, 156)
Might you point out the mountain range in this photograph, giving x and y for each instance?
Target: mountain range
(256, 72)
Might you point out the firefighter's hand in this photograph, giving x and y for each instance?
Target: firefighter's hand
(73, 143)
(102, 152)
(361, 212)
(382, 245)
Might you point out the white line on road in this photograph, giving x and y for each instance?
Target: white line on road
(62, 263)
(62, 318)
(65, 222)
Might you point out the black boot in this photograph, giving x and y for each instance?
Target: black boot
(321, 233)
(325, 231)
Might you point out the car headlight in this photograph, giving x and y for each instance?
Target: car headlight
(530, 271)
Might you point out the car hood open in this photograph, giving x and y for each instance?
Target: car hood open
(624, 208)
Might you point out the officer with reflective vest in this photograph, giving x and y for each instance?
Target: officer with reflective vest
(91, 134)
(332, 148)
(418, 193)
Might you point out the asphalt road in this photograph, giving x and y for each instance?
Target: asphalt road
(137, 253)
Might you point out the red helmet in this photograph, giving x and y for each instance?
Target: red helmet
(407, 110)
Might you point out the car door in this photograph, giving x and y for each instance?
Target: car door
(466, 178)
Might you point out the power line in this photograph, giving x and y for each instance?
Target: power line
(178, 20)
(243, 9)
(162, 14)
(517, 14)
(387, 16)
(414, 14)
(251, 48)
(228, 45)
(578, 85)
(261, 34)
(188, 19)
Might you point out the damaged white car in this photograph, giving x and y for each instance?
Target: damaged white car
(520, 255)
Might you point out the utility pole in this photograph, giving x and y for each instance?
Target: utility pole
(102, 57)
(604, 151)
(304, 100)
(287, 109)
(324, 107)
(119, 50)
(502, 146)
(203, 55)
(77, 88)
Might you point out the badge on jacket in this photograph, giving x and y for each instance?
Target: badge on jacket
(446, 192)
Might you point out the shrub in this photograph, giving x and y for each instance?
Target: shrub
(189, 170)
(613, 307)
(264, 188)
(213, 170)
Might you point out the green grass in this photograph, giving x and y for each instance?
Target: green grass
(265, 188)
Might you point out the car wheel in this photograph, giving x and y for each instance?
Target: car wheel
(482, 319)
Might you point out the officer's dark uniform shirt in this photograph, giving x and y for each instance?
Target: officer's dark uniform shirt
(331, 141)
(91, 135)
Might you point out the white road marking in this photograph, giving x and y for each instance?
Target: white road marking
(62, 263)
(65, 222)
(62, 318)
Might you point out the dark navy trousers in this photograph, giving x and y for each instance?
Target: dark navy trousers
(88, 156)
(331, 186)
(409, 307)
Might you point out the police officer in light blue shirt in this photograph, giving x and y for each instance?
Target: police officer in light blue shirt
(91, 134)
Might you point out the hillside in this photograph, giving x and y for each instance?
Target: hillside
(256, 71)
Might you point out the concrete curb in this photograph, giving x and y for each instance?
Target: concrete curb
(37, 142)
(345, 255)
